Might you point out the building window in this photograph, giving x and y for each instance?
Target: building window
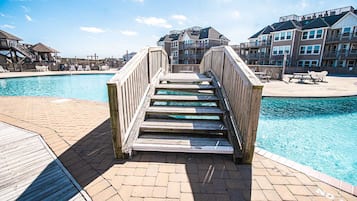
(300, 63)
(279, 50)
(308, 63)
(314, 63)
(282, 36)
(276, 37)
(304, 35)
(346, 31)
(302, 49)
(316, 49)
(319, 33)
(285, 35)
(313, 34)
(310, 49)
(275, 50)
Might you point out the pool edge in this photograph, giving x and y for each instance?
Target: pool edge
(339, 184)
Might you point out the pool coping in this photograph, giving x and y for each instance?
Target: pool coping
(339, 184)
(52, 73)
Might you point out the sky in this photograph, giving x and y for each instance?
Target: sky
(109, 28)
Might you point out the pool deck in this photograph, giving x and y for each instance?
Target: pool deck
(79, 134)
(334, 87)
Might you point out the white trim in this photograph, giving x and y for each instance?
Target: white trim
(342, 18)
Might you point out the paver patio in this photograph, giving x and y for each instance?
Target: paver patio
(79, 133)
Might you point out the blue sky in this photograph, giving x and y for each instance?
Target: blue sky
(110, 27)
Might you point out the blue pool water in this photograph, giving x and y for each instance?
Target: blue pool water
(320, 133)
(86, 87)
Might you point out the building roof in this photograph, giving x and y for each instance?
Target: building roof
(330, 20)
(5, 35)
(291, 24)
(195, 33)
(319, 22)
(39, 47)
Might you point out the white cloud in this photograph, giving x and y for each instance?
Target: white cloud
(180, 18)
(236, 14)
(8, 26)
(28, 18)
(26, 9)
(153, 21)
(129, 33)
(92, 29)
(2, 14)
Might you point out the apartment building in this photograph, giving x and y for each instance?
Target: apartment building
(325, 40)
(189, 45)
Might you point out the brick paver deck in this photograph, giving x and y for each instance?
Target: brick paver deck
(79, 134)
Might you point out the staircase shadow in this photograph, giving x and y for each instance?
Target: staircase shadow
(210, 176)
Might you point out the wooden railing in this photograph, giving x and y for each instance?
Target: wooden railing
(243, 91)
(127, 91)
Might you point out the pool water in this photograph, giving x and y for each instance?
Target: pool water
(86, 87)
(317, 132)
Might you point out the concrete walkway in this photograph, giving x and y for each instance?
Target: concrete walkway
(79, 133)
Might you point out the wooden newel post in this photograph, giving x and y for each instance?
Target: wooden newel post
(249, 137)
(114, 119)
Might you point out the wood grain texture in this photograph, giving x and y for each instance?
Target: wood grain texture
(30, 171)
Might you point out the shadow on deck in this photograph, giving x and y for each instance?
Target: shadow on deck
(210, 177)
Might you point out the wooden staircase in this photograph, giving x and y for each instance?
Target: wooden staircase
(184, 116)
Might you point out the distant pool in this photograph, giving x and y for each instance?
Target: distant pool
(86, 87)
(317, 132)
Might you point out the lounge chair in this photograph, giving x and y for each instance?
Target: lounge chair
(72, 68)
(104, 67)
(2, 70)
(322, 76)
(41, 68)
(80, 68)
(87, 68)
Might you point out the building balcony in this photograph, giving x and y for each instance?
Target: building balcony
(352, 37)
(342, 54)
(256, 44)
(257, 56)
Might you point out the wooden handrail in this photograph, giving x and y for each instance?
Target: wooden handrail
(243, 91)
(127, 91)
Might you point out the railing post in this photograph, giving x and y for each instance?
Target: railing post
(251, 133)
(114, 119)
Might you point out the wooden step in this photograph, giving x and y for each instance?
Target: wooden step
(185, 86)
(185, 77)
(184, 98)
(185, 80)
(183, 126)
(161, 110)
(188, 144)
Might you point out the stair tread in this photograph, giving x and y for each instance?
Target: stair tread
(185, 78)
(184, 110)
(162, 125)
(185, 86)
(165, 142)
(184, 98)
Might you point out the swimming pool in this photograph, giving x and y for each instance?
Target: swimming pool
(317, 132)
(86, 87)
